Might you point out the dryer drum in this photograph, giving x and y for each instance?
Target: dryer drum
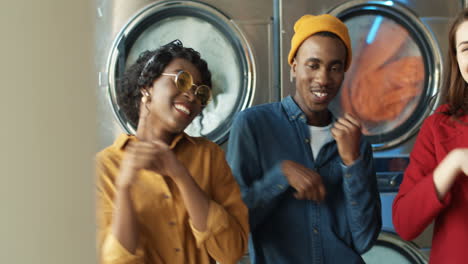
(207, 30)
(394, 79)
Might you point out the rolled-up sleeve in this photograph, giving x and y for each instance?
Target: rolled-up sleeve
(260, 189)
(110, 250)
(362, 200)
(226, 235)
(114, 253)
(417, 204)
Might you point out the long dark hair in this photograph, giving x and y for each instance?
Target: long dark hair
(148, 67)
(457, 88)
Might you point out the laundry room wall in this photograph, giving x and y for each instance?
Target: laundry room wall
(48, 131)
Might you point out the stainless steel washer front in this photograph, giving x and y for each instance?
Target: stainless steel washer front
(398, 44)
(234, 38)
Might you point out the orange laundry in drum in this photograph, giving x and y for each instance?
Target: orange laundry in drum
(385, 77)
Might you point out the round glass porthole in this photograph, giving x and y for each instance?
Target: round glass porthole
(206, 30)
(394, 78)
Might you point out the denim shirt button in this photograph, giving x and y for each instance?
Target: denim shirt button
(315, 231)
(347, 175)
(280, 186)
(306, 141)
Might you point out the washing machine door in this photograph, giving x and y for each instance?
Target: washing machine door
(391, 249)
(204, 29)
(395, 76)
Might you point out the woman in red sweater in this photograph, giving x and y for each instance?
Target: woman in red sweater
(435, 184)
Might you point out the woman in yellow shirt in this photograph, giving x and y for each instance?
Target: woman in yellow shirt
(163, 196)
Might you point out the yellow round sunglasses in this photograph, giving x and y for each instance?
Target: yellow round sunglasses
(184, 82)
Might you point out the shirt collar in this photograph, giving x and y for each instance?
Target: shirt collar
(294, 112)
(179, 137)
(123, 139)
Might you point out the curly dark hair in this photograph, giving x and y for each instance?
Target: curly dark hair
(148, 67)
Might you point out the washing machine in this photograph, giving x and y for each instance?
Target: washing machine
(394, 82)
(234, 37)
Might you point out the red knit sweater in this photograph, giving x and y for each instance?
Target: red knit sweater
(417, 205)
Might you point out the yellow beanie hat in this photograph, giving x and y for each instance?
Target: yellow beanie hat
(309, 25)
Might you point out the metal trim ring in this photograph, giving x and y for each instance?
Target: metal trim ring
(407, 249)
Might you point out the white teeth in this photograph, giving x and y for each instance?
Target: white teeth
(182, 108)
(320, 94)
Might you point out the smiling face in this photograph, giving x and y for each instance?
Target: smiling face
(461, 45)
(319, 72)
(171, 110)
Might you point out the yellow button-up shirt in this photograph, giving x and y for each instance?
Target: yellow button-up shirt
(166, 234)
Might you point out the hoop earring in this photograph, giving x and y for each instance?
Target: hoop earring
(146, 96)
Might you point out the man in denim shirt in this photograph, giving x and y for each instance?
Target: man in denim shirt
(307, 178)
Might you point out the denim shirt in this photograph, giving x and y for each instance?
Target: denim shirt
(283, 228)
